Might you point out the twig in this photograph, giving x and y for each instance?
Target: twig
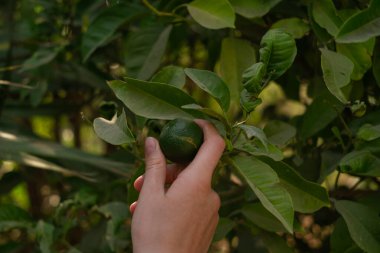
(17, 85)
(157, 12)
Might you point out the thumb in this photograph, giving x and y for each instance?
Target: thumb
(155, 167)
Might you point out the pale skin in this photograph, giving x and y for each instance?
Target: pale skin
(181, 218)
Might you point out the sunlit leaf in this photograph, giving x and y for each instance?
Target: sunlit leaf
(212, 84)
(362, 26)
(307, 196)
(152, 100)
(253, 8)
(360, 54)
(212, 14)
(337, 70)
(172, 75)
(114, 131)
(265, 183)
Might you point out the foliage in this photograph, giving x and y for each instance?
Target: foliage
(292, 86)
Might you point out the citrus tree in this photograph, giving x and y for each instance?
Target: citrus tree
(292, 86)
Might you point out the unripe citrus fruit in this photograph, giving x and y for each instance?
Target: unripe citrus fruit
(180, 140)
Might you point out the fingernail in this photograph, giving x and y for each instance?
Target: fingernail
(150, 145)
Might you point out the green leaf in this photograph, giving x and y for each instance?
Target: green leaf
(212, 84)
(253, 8)
(324, 109)
(249, 101)
(265, 183)
(144, 49)
(279, 132)
(257, 148)
(45, 236)
(254, 78)
(10, 212)
(340, 239)
(9, 181)
(307, 197)
(360, 54)
(41, 57)
(324, 13)
(212, 14)
(155, 54)
(361, 26)
(376, 63)
(152, 100)
(275, 243)
(261, 217)
(172, 75)
(39, 163)
(297, 27)
(28, 148)
(329, 162)
(132, 193)
(225, 225)
(361, 163)
(209, 112)
(337, 70)
(114, 131)
(369, 132)
(105, 25)
(236, 55)
(363, 224)
(252, 131)
(117, 213)
(277, 51)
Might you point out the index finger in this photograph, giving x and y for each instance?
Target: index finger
(209, 153)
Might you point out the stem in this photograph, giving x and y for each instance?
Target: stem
(237, 136)
(8, 59)
(345, 127)
(337, 180)
(157, 12)
(178, 7)
(356, 184)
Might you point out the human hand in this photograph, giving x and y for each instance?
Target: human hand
(182, 218)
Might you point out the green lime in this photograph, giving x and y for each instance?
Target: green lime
(180, 140)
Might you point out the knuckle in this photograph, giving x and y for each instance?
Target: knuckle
(215, 200)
